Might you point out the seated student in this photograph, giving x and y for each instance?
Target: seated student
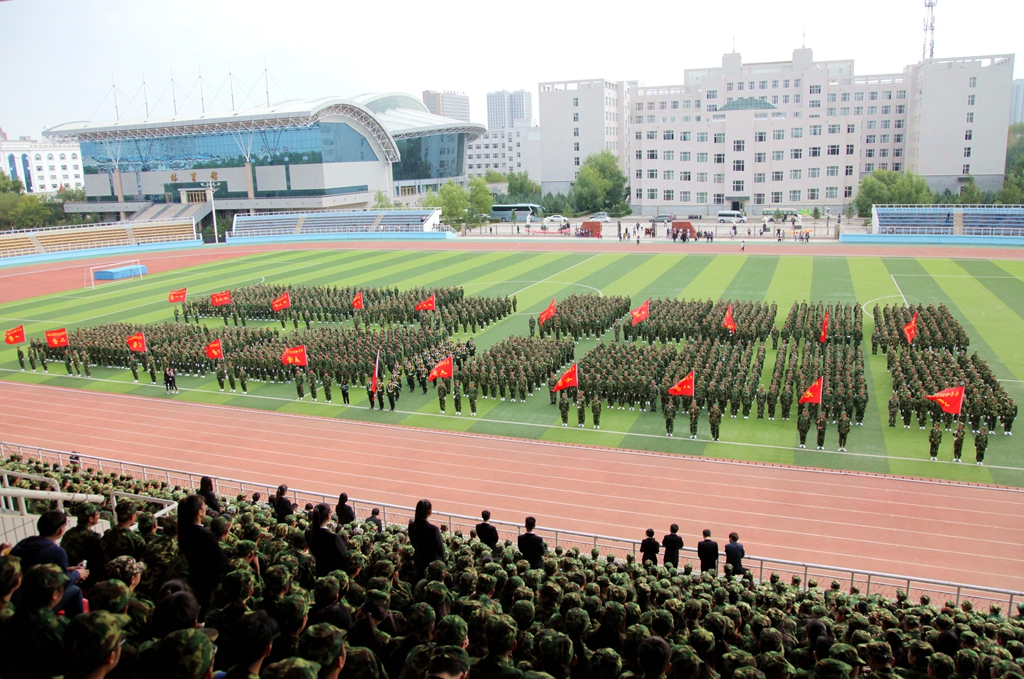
(45, 549)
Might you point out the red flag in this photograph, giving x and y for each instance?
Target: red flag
(357, 301)
(137, 343)
(727, 322)
(177, 296)
(910, 329)
(813, 393)
(429, 304)
(376, 364)
(294, 355)
(221, 298)
(15, 335)
(950, 400)
(547, 313)
(568, 379)
(282, 302)
(214, 350)
(641, 313)
(824, 328)
(683, 387)
(57, 338)
(442, 369)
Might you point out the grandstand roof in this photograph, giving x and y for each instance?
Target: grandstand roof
(405, 116)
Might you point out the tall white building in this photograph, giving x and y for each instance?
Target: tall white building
(1017, 102)
(505, 109)
(42, 166)
(448, 104)
(509, 149)
(800, 134)
(578, 118)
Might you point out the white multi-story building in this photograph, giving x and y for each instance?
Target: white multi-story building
(578, 118)
(505, 109)
(1017, 102)
(42, 166)
(448, 104)
(511, 149)
(797, 134)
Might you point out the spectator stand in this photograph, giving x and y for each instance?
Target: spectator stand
(611, 547)
(949, 224)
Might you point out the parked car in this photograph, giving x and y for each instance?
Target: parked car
(556, 220)
(600, 217)
(730, 216)
(663, 219)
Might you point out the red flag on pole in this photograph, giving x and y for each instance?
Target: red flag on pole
(641, 313)
(281, 303)
(376, 364)
(547, 313)
(727, 322)
(137, 343)
(813, 393)
(214, 350)
(429, 304)
(177, 296)
(950, 400)
(683, 387)
(357, 301)
(221, 298)
(15, 335)
(910, 329)
(824, 328)
(568, 379)
(57, 338)
(294, 355)
(442, 369)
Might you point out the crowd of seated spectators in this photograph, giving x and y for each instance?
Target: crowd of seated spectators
(246, 587)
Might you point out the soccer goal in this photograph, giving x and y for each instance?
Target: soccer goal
(116, 271)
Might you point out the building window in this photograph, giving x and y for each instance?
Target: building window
(814, 103)
(719, 137)
(662, 105)
(897, 167)
(970, 117)
(847, 192)
(758, 199)
(652, 174)
(684, 156)
(639, 192)
(869, 153)
(899, 123)
(576, 101)
(796, 174)
(762, 84)
(684, 136)
(739, 145)
(760, 157)
(760, 136)
(719, 199)
(778, 135)
(719, 158)
(831, 111)
(702, 137)
(849, 149)
(702, 197)
(652, 134)
(702, 157)
(668, 135)
(737, 186)
(869, 167)
(576, 146)
(639, 154)
(576, 161)
(812, 194)
(652, 194)
(639, 174)
(719, 178)
(575, 117)
(652, 154)
(759, 177)
(794, 196)
(668, 155)
(778, 155)
(832, 192)
(796, 154)
(796, 133)
(832, 171)
(684, 176)
(776, 196)
(813, 172)
(815, 130)
(684, 196)
(815, 89)
(967, 152)
(973, 82)
(814, 152)
(575, 131)
(849, 170)
(897, 153)
(712, 94)
(639, 121)
(675, 104)
(869, 139)
(668, 195)
(702, 177)
(738, 166)
(777, 176)
(970, 99)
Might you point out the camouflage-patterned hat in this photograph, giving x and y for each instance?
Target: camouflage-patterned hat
(291, 668)
(748, 672)
(124, 568)
(577, 622)
(941, 665)
(45, 576)
(84, 510)
(607, 664)
(361, 663)
(110, 595)
(452, 630)
(277, 578)
(322, 643)
(830, 668)
(775, 665)
(326, 589)
(146, 522)
(556, 647)
(238, 584)
(244, 548)
(880, 650)
(848, 654)
(10, 571)
(290, 610)
(501, 632)
(701, 640)
(377, 598)
(421, 616)
(185, 654)
(125, 510)
(90, 637)
(442, 655)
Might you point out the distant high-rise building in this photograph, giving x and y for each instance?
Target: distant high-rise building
(447, 104)
(1017, 102)
(505, 109)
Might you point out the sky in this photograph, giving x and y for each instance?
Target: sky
(62, 56)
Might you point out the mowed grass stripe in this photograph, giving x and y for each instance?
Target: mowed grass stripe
(683, 269)
(831, 280)
(791, 282)
(518, 275)
(752, 280)
(712, 281)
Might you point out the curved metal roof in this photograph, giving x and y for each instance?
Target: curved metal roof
(407, 117)
(378, 103)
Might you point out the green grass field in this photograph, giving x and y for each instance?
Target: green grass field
(987, 297)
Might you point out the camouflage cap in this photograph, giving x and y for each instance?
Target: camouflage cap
(879, 650)
(557, 648)
(830, 668)
(10, 571)
(577, 622)
(238, 584)
(290, 610)
(322, 643)
(277, 578)
(244, 548)
(146, 521)
(376, 597)
(291, 668)
(451, 630)
(701, 640)
(775, 665)
(501, 632)
(748, 672)
(124, 568)
(110, 595)
(45, 576)
(84, 510)
(848, 654)
(607, 664)
(941, 665)
(90, 637)
(185, 654)
(361, 663)
(125, 510)
(441, 655)
(421, 616)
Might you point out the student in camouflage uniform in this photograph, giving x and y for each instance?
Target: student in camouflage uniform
(442, 394)
(822, 425)
(980, 445)
(31, 642)
(370, 396)
(21, 359)
(581, 410)
(457, 397)
(82, 543)
(552, 381)
(894, 409)
(563, 409)
(715, 420)
(762, 399)
(328, 381)
(472, 394)
(669, 411)
(934, 441)
(595, 411)
(220, 376)
(786, 401)
(694, 418)
(844, 430)
(121, 540)
(958, 442)
(803, 425)
(311, 376)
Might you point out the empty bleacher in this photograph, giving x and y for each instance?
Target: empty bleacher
(107, 236)
(949, 220)
(15, 245)
(162, 232)
(336, 222)
(91, 236)
(264, 225)
(915, 220)
(994, 221)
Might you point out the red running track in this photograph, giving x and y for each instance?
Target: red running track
(44, 279)
(919, 528)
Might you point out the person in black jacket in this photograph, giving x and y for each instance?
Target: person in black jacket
(649, 548)
(487, 533)
(734, 554)
(209, 497)
(281, 504)
(531, 545)
(707, 550)
(425, 538)
(207, 563)
(345, 513)
(672, 544)
(45, 549)
(327, 548)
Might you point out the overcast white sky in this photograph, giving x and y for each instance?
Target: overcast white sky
(59, 55)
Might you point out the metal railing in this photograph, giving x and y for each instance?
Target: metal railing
(866, 581)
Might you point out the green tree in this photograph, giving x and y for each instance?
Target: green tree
(430, 199)
(8, 203)
(8, 185)
(381, 201)
(494, 177)
(1012, 192)
(30, 213)
(454, 203)
(480, 198)
(607, 165)
(970, 193)
(1015, 149)
(522, 189)
(590, 191)
(886, 187)
(817, 213)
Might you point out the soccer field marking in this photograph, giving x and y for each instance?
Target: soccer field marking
(324, 404)
(893, 276)
(557, 273)
(864, 306)
(952, 275)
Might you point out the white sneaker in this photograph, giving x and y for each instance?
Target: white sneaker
(934, 458)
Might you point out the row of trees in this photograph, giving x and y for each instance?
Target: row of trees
(20, 210)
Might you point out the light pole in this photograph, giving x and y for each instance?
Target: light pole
(212, 186)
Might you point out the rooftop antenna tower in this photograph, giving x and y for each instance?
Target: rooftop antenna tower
(266, 81)
(145, 95)
(928, 48)
(174, 98)
(117, 112)
(202, 97)
(231, 82)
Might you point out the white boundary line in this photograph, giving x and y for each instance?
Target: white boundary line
(893, 276)
(557, 273)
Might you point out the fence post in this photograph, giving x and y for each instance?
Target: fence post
(853, 579)
(556, 539)
(384, 510)
(760, 576)
(958, 596)
(867, 591)
(805, 577)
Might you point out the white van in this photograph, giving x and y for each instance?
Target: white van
(730, 215)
